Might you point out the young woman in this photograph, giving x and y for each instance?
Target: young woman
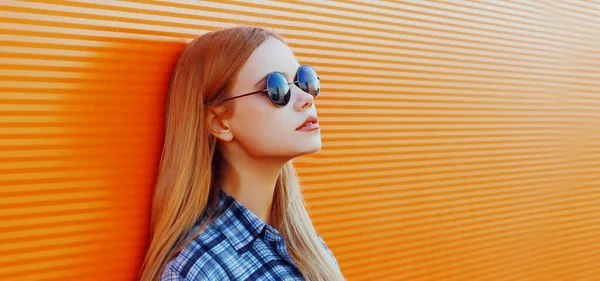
(227, 204)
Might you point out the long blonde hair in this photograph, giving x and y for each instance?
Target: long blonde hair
(187, 179)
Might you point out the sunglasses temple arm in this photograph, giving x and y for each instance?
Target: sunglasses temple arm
(244, 95)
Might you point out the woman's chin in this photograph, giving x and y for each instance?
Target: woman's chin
(311, 147)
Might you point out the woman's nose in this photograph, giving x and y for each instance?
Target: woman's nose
(303, 101)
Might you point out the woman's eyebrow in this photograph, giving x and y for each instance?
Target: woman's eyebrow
(287, 77)
(260, 81)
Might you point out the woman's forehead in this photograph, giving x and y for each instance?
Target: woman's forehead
(271, 55)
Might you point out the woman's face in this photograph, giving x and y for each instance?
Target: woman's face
(257, 125)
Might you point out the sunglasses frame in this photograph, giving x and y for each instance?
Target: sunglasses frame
(267, 89)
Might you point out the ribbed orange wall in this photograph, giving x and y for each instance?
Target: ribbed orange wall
(461, 139)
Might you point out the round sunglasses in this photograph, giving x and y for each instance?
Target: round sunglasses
(278, 88)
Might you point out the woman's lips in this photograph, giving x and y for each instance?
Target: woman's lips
(309, 127)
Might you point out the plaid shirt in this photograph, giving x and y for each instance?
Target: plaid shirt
(238, 245)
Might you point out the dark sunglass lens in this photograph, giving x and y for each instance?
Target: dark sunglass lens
(279, 90)
(307, 80)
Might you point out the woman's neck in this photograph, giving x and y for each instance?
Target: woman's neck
(251, 181)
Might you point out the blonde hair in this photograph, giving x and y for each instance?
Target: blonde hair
(187, 179)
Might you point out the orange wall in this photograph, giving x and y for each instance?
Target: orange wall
(461, 139)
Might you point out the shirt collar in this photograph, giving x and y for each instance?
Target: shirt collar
(236, 222)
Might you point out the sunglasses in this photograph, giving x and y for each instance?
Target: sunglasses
(278, 88)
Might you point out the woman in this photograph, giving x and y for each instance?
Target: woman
(227, 204)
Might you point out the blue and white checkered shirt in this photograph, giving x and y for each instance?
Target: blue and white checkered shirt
(238, 245)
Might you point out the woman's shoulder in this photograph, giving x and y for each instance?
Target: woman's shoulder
(328, 250)
(197, 259)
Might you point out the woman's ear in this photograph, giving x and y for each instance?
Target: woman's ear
(218, 125)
